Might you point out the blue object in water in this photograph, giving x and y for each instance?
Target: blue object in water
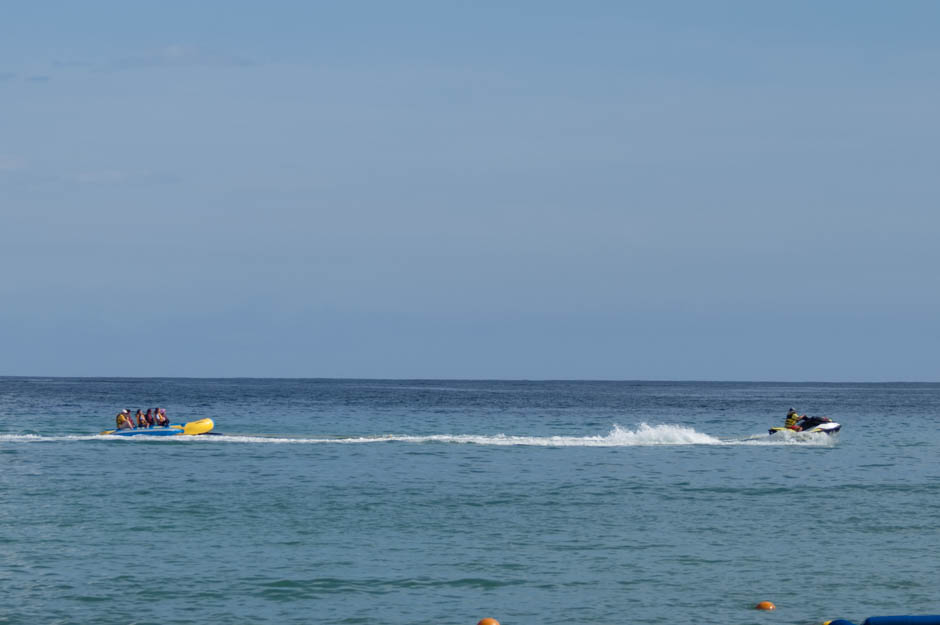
(932, 619)
(148, 432)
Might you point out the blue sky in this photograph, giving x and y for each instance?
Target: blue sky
(602, 190)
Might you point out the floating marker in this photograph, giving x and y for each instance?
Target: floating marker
(765, 605)
(488, 621)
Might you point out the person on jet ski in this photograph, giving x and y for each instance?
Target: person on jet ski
(793, 418)
(799, 423)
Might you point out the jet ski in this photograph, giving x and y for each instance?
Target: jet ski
(812, 425)
(193, 428)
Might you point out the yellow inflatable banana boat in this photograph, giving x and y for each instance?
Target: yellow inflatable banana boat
(193, 428)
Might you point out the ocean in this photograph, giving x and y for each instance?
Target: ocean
(371, 501)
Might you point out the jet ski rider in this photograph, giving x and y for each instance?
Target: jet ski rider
(793, 417)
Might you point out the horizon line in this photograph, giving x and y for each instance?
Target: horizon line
(467, 379)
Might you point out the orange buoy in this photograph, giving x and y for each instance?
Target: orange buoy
(488, 621)
(765, 605)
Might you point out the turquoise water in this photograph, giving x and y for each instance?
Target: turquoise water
(367, 501)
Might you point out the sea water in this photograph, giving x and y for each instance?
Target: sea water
(365, 501)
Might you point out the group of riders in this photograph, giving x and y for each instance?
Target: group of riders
(154, 417)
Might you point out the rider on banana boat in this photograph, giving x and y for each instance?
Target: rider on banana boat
(124, 421)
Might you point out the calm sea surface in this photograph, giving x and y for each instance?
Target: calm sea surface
(365, 501)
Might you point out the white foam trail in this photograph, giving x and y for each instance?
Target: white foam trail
(617, 437)
(643, 435)
(38, 438)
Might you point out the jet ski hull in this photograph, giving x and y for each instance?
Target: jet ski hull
(830, 427)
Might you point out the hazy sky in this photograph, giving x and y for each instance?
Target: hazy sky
(615, 190)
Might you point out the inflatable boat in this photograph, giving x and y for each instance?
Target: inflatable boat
(193, 428)
(930, 619)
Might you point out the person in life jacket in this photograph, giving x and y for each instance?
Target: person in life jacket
(793, 417)
(124, 421)
(141, 419)
(162, 421)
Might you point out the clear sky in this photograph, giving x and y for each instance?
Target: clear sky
(442, 189)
